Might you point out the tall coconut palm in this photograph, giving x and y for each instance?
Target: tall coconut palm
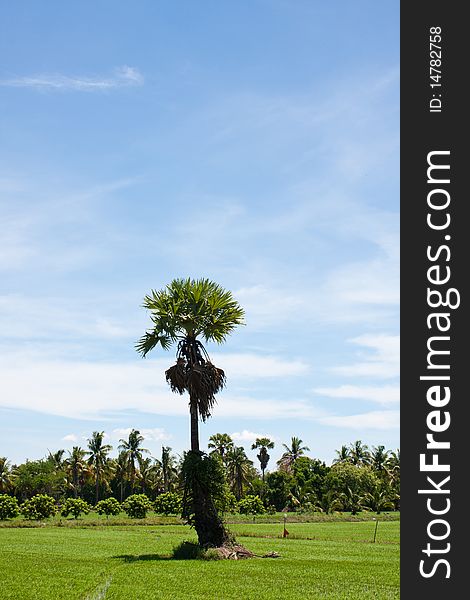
(343, 455)
(291, 454)
(183, 313)
(379, 458)
(150, 476)
(263, 444)
(76, 467)
(239, 468)
(6, 477)
(359, 453)
(220, 443)
(133, 452)
(98, 457)
(56, 458)
(168, 468)
(121, 473)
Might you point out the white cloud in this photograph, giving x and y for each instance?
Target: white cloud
(387, 394)
(86, 390)
(124, 76)
(384, 362)
(71, 437)
(387, 419)
(253, 365)
(249, 436)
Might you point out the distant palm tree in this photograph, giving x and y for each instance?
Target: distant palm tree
(343, 455)
(359, 453)
(292, 453)
(150, 476)
(56, 458)
(182, 313)
(76, 465)
(239, 468)
(98, 458)
(121, 472)
(220, 444)
(133, 452)
(167, 466)
(379, 458)
(263, 443)
(6, 477)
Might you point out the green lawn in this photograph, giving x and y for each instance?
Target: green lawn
(318, 560)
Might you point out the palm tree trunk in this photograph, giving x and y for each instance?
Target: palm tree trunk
(97, 487)
(194, 426)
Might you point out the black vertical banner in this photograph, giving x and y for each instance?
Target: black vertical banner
(435, 236)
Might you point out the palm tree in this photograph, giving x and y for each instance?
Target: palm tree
(6, 478)
(133, 453)
(98, 458)
(181, 313)
(150, 476)
(76, 466)
(56, 458)
(379, 458)
(263, 443)
(220, 444)
(292, 453)
(343, 455)
(167, 466)
(121, 472)
(359, 453)
(239, 468)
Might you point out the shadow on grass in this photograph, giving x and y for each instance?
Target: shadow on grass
(130, 558)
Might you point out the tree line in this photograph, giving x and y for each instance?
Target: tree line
(358, 479)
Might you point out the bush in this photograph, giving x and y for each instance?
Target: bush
(76, 507)
(251, 505)
(107, 507)
(137, 505)
(38, 507)
(192, 551)
(8, 507)
(168, 504)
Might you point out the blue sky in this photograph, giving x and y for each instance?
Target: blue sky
(255, 143)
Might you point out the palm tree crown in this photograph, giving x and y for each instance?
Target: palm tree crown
(132, 452)
(292, 453)
(220, 443)
(263, 443)
(181, 313)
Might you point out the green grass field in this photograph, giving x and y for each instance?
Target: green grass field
(324, 560)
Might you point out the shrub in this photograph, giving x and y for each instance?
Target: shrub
(8, 507)
(251, 505)
(38, 507)
(168, 504)
(137, 505)
(192, 551)
(107, 507)
(76, 507)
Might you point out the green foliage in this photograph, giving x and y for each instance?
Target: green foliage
(168, 504)
(8, 507)
(190, 308)
(107, 507)
(192, 551)
(200, 470)
(344, 478)
(251, 505)
(75, 507)
(39, 477)
(38, 507)
(137, 505)
(278, 486)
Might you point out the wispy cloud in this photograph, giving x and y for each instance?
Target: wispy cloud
(383, 362)
(387, 394)
(383, 420)
(124, 76)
